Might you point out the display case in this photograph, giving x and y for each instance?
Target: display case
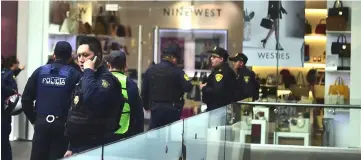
(194, 44)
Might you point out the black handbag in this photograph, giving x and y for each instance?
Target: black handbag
(267, 23)
(308, 27)
(342, 48)
(195, 93)
(339, 11)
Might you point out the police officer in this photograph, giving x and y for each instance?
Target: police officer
(247, 86)
(97, 101)
(8, 88)
(132, 119)
(218, 90)
(51, 86)
(163, 87)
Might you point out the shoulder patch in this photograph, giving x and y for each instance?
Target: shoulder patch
(246, 79)
(219, 77)
(105, 83)
(186, 77)
(76, 100)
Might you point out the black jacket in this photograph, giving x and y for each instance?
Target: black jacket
(219, 90)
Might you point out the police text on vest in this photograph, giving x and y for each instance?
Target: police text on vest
(55, 81)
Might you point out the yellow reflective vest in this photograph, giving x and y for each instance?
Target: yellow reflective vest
(125, 116)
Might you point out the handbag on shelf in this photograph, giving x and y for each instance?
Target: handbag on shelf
(307, 53)
(321, 27)
(308, 27)
(320, 89)
(337, 17)
(340, 89)
(267, 23)
(300, 89)
(341, 47)
(195, 93)
(336, 99)
(269, 88)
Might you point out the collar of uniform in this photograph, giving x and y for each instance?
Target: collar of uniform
(221, 66)
(60, 61)
(100, 69)
(168, 62)
(118, 72)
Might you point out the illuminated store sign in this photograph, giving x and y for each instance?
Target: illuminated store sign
(191, 11)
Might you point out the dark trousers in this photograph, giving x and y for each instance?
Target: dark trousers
(78, 149)
(163, 114)
(92, 143)
(6, 153)
(49, 142)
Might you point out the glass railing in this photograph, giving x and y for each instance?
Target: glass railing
(248, 130)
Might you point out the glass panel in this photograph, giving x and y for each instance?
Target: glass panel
(162, 143)
(303, 124)
(205, 133)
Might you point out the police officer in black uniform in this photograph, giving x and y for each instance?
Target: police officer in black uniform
(97, 101)
(50, 86)
(163, 88)
(247, 86)
(218, 90)
(8, 88)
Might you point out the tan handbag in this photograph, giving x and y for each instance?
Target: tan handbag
(300, 89)
(340, 89)
(320, 89)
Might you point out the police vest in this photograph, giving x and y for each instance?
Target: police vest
(164, 85)
(81, 121)
(125, 117)
(54, 90)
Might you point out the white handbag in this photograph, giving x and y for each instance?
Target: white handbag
(336, 99)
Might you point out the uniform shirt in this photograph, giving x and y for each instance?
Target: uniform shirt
(185, 83)
(219, 90)
(247, 85)
(30, 91)
(99, 93)
(8, 88)
(135, 103)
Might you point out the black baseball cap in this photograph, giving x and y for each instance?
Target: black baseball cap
(63, 50)
(116, 56)
(172, 50)
(219, 52)
(239, 57)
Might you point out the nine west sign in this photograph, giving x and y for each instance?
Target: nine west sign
(190, 11)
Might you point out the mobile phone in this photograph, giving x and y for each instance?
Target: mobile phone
(96, 61)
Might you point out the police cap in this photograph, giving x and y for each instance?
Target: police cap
(239, 57)
(219, 52)
(116, 56)
(172, 50)
(63, 50)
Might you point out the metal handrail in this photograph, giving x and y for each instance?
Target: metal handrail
(274, 104)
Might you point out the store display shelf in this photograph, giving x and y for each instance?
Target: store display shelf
(338, 32)
(315, 37)
(339, 71)
(315, 65)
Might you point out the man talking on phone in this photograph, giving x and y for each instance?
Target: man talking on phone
(96, 102)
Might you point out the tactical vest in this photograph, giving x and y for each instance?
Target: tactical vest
(164, 85)
(54, 90)
(125, 116)
(82, 122)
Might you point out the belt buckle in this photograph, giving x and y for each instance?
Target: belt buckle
(50, 118)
